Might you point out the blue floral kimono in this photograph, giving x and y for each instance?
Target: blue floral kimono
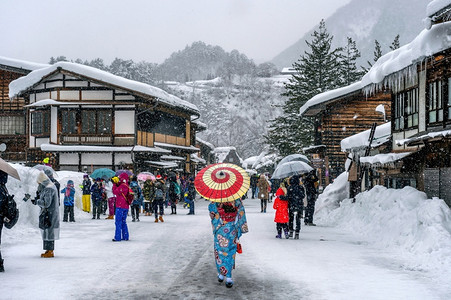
(226, 235)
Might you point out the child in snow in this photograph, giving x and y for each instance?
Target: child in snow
(69, 193)
(281, 206)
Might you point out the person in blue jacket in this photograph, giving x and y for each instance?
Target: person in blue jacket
(69, 194)
(228, 220)
(137, 198)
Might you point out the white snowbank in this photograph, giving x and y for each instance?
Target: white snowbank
(24, 83)
(332, 195)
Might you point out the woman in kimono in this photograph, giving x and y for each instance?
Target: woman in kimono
(228, 220)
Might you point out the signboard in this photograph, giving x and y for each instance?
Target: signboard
(317, 163)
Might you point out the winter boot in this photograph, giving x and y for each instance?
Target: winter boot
(156, 220)
(279, 236)
(229, 282)
(2, 269)
(48, 253)
(296, 236)
(290, 234)
(287, 235)
(220, 278)
(161, 218)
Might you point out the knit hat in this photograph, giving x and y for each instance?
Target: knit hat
(41, 177)
(70, 182)
(158, 177)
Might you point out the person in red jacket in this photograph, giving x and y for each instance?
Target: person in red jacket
(281, 206)
(121, 190)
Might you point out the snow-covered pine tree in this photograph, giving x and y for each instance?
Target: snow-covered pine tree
(348, 63)
(377, 54)
(316, 73)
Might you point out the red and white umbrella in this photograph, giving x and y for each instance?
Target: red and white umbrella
(222, 182)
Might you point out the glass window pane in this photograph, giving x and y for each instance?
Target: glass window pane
(88, 121)
(440, 115)
(432, 118)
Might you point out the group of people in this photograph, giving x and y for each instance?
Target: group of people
(289, 204)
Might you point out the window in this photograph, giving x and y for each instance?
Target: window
(412, 100)
(406, 109)
(69, 122)
(399, 111)
(96, 121)
(435, 102)
(40, 123)
(12, 125)
(162, 122)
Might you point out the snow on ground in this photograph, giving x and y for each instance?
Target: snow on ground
(389, 244)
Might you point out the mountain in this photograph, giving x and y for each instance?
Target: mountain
(366, 21)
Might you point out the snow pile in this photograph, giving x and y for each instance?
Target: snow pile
(22, 84)
(28, 213)
(331, 197)
(403, 220)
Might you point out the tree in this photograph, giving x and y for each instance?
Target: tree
(266, 70)
(377, 54)
(57, 59)
(316, 72)
(395, 44)
(348, 62)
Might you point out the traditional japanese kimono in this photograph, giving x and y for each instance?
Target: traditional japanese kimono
(227, 229)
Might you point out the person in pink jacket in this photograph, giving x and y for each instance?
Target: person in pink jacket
(121, 190)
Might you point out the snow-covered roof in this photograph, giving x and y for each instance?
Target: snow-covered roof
(307, 149)
(197, 159)
(199, 124)
(21, 64)
(424, 137)
(330, 95)
(172, 157)
(83, 148)
(44, 102)
(210, 145)
(383, 159)
(25, 83)
(436, 5)
(162, 164)
(223, 149)
(427, 43)
(164, 145)
(360, 140)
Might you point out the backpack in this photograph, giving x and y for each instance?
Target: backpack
(159, 195)
(10, 212)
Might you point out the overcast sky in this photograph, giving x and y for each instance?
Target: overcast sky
(151, 30)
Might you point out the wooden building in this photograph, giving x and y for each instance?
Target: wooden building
(12, 113)
(339, 114)
(417, 80)
(90, 118)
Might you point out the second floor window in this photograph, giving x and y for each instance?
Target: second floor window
(40, 123)
(406, 109)
(69, 122)
(435, 102)
(96, 122)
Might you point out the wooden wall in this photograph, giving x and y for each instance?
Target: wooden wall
(347, 117)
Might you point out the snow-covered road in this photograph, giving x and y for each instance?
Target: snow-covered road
(174, 260)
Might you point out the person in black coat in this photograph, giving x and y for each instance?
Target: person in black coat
(295, 197)
(191, 195)
(172, 192)
(253, 184)
(310, 188)
(3, 199)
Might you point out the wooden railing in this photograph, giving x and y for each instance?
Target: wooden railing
(148, 138)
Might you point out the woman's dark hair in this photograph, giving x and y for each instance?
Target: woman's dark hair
(228, 208)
